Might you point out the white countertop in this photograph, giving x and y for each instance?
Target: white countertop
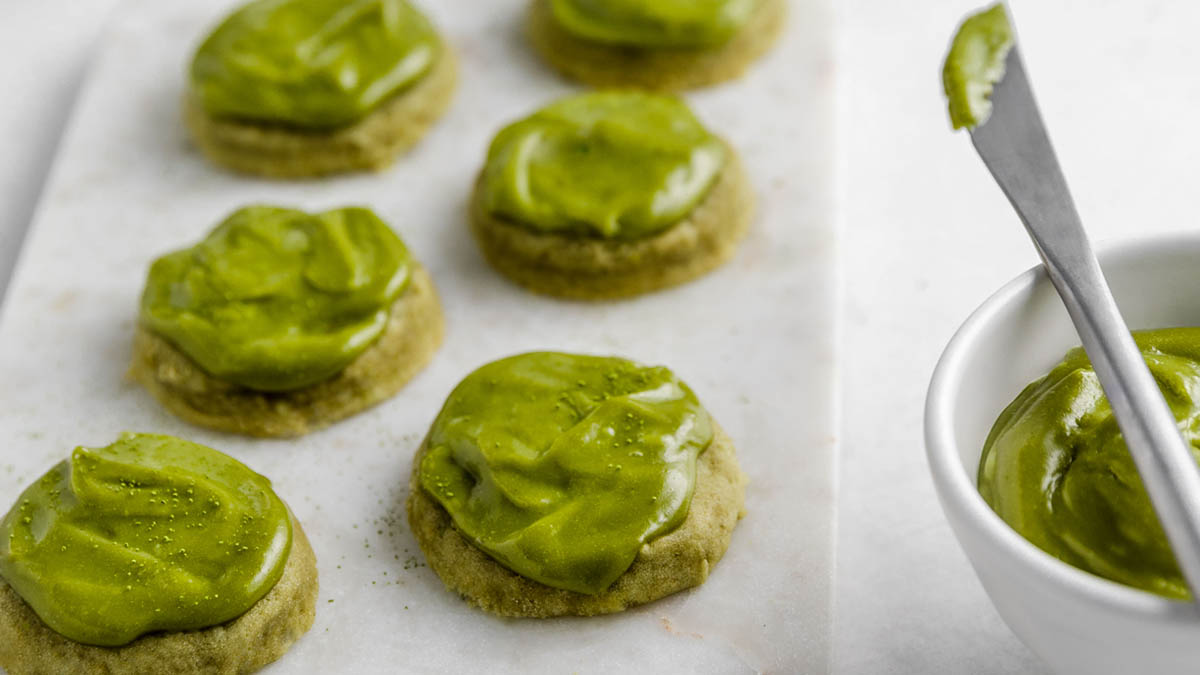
(925, 237)
(47, 46)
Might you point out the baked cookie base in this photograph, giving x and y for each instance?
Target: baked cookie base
(590, 268)
(669, 564)
(372, 143)
(413, 334)
(664, 69)
(253, 640)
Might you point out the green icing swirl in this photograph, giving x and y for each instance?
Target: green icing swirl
(1056, 467)
(276, 299)
(151, 533)
(975, 64)
(618, 165)
(654, 23)
(312, 63)
(562, 466)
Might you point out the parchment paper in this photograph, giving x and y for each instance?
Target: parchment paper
(755, 340)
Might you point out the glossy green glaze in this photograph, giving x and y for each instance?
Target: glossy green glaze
(619, 165)
(561, 466)
(276, 299)
(151, 533)
(975, 64)
(654, 23)
(1056, 467)
(315, 64)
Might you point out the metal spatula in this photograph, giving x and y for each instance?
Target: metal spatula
(1016, 149)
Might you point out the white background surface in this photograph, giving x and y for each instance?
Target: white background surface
(127, 187)
(925, 237)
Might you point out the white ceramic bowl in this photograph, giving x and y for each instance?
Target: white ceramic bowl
(1077, 622)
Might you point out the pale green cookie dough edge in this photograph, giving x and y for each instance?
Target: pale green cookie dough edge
(372, 143)
(260, 636)
(588, 268)
(661, 69)
(414, 332)
(677, 561)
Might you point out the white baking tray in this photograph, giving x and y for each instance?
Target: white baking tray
(755, 340)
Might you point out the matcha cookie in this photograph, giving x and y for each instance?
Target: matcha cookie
(281, 322)
(661, 45)
(193, 565)
(556, 484)
(610, 194)
(297, 88)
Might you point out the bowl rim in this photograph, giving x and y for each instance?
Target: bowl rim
(957, 490)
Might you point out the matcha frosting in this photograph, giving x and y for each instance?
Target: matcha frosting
(1057, 469)
(562, 466)
(151, 533)
(654, 23)
(315, 64)
(618, 165)
(975, 64)
(276, 299)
